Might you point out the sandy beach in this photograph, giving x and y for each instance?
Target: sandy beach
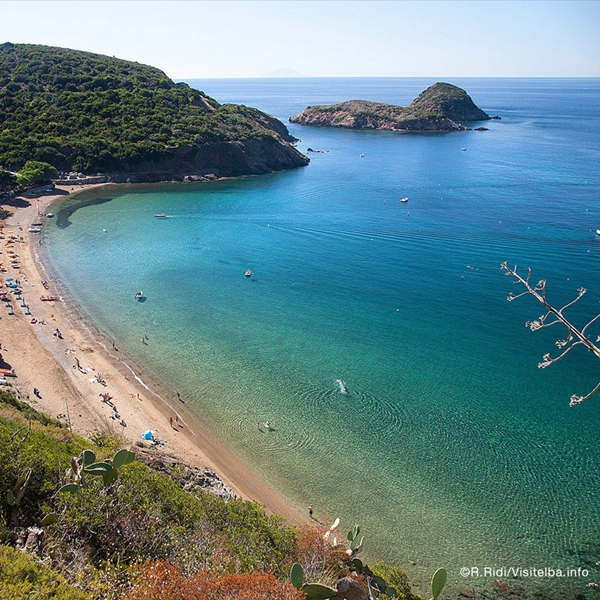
(72, 371)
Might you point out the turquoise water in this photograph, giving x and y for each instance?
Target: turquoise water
(451, 448)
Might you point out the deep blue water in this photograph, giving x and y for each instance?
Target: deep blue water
(451, 448)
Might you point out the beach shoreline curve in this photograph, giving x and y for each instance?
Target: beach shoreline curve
(139, 400)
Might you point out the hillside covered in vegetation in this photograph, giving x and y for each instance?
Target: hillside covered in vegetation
(80, 520)
(441, 107)
(92, 113)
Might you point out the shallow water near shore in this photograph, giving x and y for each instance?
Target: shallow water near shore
(450, 448)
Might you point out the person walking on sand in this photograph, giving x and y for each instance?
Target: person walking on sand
(310, 511)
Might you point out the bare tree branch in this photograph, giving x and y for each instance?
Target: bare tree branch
(576, 337)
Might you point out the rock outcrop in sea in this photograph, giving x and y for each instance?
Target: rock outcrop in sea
(441, 107)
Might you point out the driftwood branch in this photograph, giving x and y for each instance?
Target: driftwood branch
(553, 316)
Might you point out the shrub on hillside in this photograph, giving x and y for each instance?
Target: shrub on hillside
(22, 576)
(161, 579)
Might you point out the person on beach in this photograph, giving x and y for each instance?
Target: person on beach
(310, 511)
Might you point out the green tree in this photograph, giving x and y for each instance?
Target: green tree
(36, 172)
(8, 181)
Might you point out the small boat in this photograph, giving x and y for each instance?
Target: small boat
(50, 215)
(404, 200)
(343, 388)
(597, 231)
(161, 216)
(139, 295)
(33, 229)
(248, 273)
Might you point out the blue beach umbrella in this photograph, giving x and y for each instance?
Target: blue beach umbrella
(147, 435)
(9, 279)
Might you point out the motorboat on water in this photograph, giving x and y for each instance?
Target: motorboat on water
(404, 200)
(161, 216)
(248, 273)
(139, 295)
(597, 231)
(343, 388)
(33, 229)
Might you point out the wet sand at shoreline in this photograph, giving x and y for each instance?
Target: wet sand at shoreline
(55, 366)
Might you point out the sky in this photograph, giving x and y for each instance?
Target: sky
(335, 38)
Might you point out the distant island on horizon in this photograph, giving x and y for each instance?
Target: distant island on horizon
(442, 107)
(283, 72)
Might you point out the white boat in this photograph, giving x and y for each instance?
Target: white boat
(139, 295)
(597, 231)
(33, 229)
(248, 273)
(343, 388)
(404, 200)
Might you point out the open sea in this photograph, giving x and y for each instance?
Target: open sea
(451, 448)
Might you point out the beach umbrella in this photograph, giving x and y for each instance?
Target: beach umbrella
(147, 435)
(9, 279)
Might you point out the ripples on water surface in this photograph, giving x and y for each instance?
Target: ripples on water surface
(451, 448)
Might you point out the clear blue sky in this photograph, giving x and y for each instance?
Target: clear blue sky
(202, 39)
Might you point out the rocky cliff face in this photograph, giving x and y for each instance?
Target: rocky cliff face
(442, 107)
(253, 156)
